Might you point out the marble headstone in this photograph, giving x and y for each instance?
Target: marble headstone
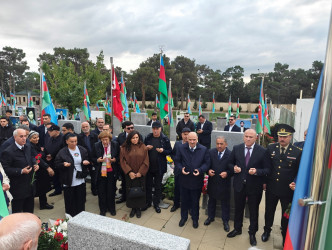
(139, 118)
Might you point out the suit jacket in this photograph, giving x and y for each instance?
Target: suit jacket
(13, 161)
(219, 188)
(284, 169)
(42, 135)
(93, 138)
(299, 144)
(199, 159)
(205, 137)
(259, 159)
(122, 138)
(234, 129)
(181, 125)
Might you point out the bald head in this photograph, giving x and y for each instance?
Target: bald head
(192, 139)
(19, 231)
(249, 137)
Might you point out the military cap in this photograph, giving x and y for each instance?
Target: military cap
(284, 130)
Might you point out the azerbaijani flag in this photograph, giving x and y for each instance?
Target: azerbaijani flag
(260, 123)
(86, 104)
(213, 104)
(266, 119)
(133, 103)
(12, 96)
(189, 103)
(137, 106)
(229, 107)
(0, 100)
(238, 109)
(123, 95)
(3, 204)
(199, 106)
(297, 225)
(163, 90)
(4, 102)
(157, 102)
(170, 113)
(47, 105)
(117, 105)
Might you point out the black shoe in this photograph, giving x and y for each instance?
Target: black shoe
(113, 213)
(265, 236)
(138, 213)
(103, 213)
(120, 201)
(226, 226)
(132, 213)
(195, 224)
(94, 193)
(174, 208)
(157, 208)
(253, 241)
(208, 221)
(234, 233)
(54, 194)
(182, 222)
(46, 206)
(145, 207)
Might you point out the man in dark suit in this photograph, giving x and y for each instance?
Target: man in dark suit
(100, 122)
(19, 164)
(204, 129)
(232, 127)
(153, 119)
(219, 183)
(280, 182)
(6, 130)
(249, 163)
(184, 123)
(193, 160)
(61, 116)
(42, 130)
(242, 127)
(25, 121)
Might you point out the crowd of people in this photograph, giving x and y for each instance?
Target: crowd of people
(33, 158)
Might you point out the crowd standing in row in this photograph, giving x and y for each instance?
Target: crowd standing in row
(31, 155)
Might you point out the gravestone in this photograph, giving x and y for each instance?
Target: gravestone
(117, 128)
(221, 123)
(139, 118)
(77, 125)
(206, 115)
(97, 114)
(173, 133)
(144, 130)
(233, 138)
(91, 231)
(214, 125)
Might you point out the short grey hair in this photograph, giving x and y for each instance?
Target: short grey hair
(27, 230)
(25, 127)
(221, 137)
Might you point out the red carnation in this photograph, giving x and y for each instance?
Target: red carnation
(58, 236)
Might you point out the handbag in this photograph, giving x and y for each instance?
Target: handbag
(135, 192)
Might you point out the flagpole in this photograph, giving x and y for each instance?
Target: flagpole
(155, 106)
(41, 89)
(111, 60)
(169, 106)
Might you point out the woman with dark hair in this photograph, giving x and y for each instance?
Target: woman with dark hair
(106, 157)
(43, 182)
(134, 162)
(72, 161)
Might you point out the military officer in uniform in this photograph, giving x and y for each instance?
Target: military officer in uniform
(280, 184)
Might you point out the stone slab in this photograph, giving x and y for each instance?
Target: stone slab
(302, 117)
(117, 128)
(144, 130)
(91, 231)
(97, 114)
(206, 115)
(77, 125)
(221, 123)
(139, 118)
(233, 138)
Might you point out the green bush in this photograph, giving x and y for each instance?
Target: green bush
(221, 109)
(169, 188)
(256, 109)
(149, 106)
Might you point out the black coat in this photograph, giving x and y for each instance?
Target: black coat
(234, 129)
(219, 188)
(173, 155)
(66, 173)
(181, 125)
(121, 138)
(13, 161)
(199, 159)
(6, 133)
(53, 146)
(98, 151)
(42, 135)
(166, 145)
(259, 159)
(93, 138)
(205, 137)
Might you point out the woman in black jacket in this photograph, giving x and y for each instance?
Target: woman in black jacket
(72, 161)
(43, 182)
(106, 159)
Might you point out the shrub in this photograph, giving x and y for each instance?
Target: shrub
(221, 109)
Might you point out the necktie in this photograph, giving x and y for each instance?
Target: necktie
(248, 155)
(282, 151)
(192, 149)
(219, 155)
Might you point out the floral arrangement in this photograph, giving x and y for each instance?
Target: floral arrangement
(287, 212)
(170, 161)
(204, 188)
(56, 236)
(169, 187)
(37, 157)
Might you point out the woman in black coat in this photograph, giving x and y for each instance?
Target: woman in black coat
(43, 184)
(72, 161)
(106, 159)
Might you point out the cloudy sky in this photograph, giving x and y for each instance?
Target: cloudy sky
(254, 34)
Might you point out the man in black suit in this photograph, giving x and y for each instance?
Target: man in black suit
(232, 127)
(249, 163)
(203, 130)
(153, 119)
(100, 122)
(219, 183)
(42, 130)
(6, 130)
(184, 123)
(19, 164)
(242, 127)
(25, 121)
(61, 116)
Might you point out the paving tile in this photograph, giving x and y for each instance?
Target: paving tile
(208, 247)
(155, 223)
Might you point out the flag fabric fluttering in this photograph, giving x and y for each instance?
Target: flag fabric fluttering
(229, 108)
(157, 102)
(137, 106)
(163, 90)
(4, 102)
(117, 105)
(47, 105)
(189, 110)
(97, 106)
(170, 113)
(213, 104)
(13, 97)
(86, 104)
(1, 103)
(199, 106)
(124, 102)
(297, 225)
(238, 108)
(260, 123)
(3, 205)
(266, 119)
(133, 104)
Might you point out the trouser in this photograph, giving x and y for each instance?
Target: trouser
(253, 204)
(56, 181)
(42, 200)
(123, 185)
(75, 198)
(190, 200)
(225, 209)
(177, 195)
(106, 192)
(23, 205)
(153, 179)
(271, 202)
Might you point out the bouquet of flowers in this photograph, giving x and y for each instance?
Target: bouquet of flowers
(170, 161)
(204, 189)
(37, 157)
(287, 212)
(56, 236)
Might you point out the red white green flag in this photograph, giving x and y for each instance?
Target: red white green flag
(117, 105)
(260, 123)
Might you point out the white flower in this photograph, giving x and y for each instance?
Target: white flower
(64, 226)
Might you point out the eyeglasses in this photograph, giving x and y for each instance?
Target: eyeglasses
(231, 119)
(129, 128)
(186, 116)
